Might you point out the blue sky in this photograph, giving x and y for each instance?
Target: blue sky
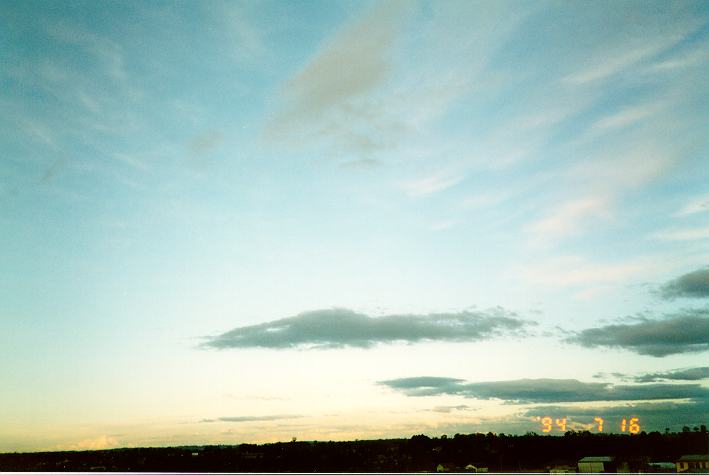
(230, 222)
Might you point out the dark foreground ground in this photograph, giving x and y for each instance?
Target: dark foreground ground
(501, 452)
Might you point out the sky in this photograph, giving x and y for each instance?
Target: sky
(229, 222)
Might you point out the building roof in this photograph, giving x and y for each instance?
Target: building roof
(694, 458)
(604, 458)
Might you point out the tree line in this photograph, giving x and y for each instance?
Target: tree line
(497, 452)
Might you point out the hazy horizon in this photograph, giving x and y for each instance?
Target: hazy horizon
(228, 222)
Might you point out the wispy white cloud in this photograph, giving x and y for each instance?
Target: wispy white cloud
(362, 164)
(626, 116)
(431, 184)
(578, 271)
(607, 63)
(133, 162)
(374, 88)
(569, 217)
(352, 64)
(484, 200)
(683, 234)
(107, 52)
(698, 204)
(246, 40)
(681, 61)
(204, 143)
(608, 66)
(41, 132)
(443, 225)
(639, 161)
(599, 182)
(627, 149)
(89, 102)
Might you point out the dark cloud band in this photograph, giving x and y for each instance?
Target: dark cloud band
(655, 415)
(336, 328)
(682, 374)
(545, 390)
(689, 374)
(685, 332)
(694, 285)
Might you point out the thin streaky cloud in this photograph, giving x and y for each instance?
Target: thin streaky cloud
(574, 270)
(683, 234)
(108, 53)
(699, 204)
(237, 419)
(133, 162)
(688, 59)
(605, 65)
(569, 218)
(431, 184)
(247, 42)
(627, 116)
(418, 382)
(450, 409)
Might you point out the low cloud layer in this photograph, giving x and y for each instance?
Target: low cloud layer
(651, 415)
(689, 374)
(449, 409)
(694, 285)
(684, 332)
(682, 374)
(337, 328)
(544, 390)
(276, 417)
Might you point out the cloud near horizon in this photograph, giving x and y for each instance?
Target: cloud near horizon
(101, 442)
(339, 327)
(652, 415)
(684, 332)
(525, 391)
(688, 374)
(276, 417)
(691, 285)
(681, 374)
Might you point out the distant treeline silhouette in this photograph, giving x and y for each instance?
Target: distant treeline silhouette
(498, 452)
